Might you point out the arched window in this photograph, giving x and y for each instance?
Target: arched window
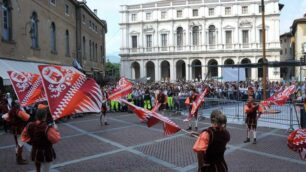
(34, 30)
(84, 47)
(212, 35)
(53, 37)
(195, 35)
(90, 49)
(67, 43)
(7, 21)
(179, 35)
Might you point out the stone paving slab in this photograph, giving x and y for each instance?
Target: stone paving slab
(118, 162)
(245, 162)
(133, 135)
(95, 126)
(176, 151)
(66, 131)
(79, 146)
(6, 139)
(8, 161)
(274, 145)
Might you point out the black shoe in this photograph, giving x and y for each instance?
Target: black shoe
(254, 142)
(106, 123)
(247, 140)
(189, 128)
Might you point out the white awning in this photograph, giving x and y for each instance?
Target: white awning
(22, 66)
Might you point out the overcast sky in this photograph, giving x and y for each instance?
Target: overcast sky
(109, 10)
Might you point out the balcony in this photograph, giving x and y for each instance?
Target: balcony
(201, 48)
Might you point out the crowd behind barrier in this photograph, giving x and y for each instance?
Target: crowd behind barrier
(227, 96)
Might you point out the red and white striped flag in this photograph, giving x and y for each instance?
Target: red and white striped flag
(124, 87)
(280, 98)
(28, 87)
(156, 107)
(196, 104)
(152, 118)
(69, 91)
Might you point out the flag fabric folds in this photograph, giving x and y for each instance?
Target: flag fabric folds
(28, 87)
(280, 98)
(196, 104)
(152, 118)
(297, 142)
(124, 87)
(69, 91)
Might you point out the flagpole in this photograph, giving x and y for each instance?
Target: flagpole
(192, 134)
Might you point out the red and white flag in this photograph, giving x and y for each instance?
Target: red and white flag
(156, 107)
(196, 104)
(28, 87)
(69, 91)
(124, 87)
(280, 98)
(152, 118)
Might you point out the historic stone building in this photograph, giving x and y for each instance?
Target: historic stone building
(177, 39)
(298, 44)
(53, 31)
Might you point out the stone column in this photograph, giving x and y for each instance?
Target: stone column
(142, 69)
(172, 71)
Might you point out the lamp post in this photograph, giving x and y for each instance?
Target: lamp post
(264, 64)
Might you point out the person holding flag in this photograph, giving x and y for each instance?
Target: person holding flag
(188, 102)
(104, 106)
(17, 119)
(211, 144)
(42, 137)
(161, 98)
(251, 109)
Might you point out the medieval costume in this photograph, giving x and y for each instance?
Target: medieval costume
(18, 120)
(41, 136)
(188, 102)
(251, 109)
(104, 107)
(161, 98)
(211, 145)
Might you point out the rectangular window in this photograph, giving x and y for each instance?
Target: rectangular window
(83, 19)
(304, 31)
(148, 16)
(163, 15)
(228, 10)
(259, 8)
(164, 40)
(195, 12)
(179, 13)
(260, 35)
(66, 9)
(53, 2)
(285, 40)
(228, 39)
(281, 52)
(134, 41)
(285, 50)
(149, 42)
(134, 17)
(245, 10)
(211, 11)
(245, 38)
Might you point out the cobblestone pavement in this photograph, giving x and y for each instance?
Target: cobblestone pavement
(128, 145)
